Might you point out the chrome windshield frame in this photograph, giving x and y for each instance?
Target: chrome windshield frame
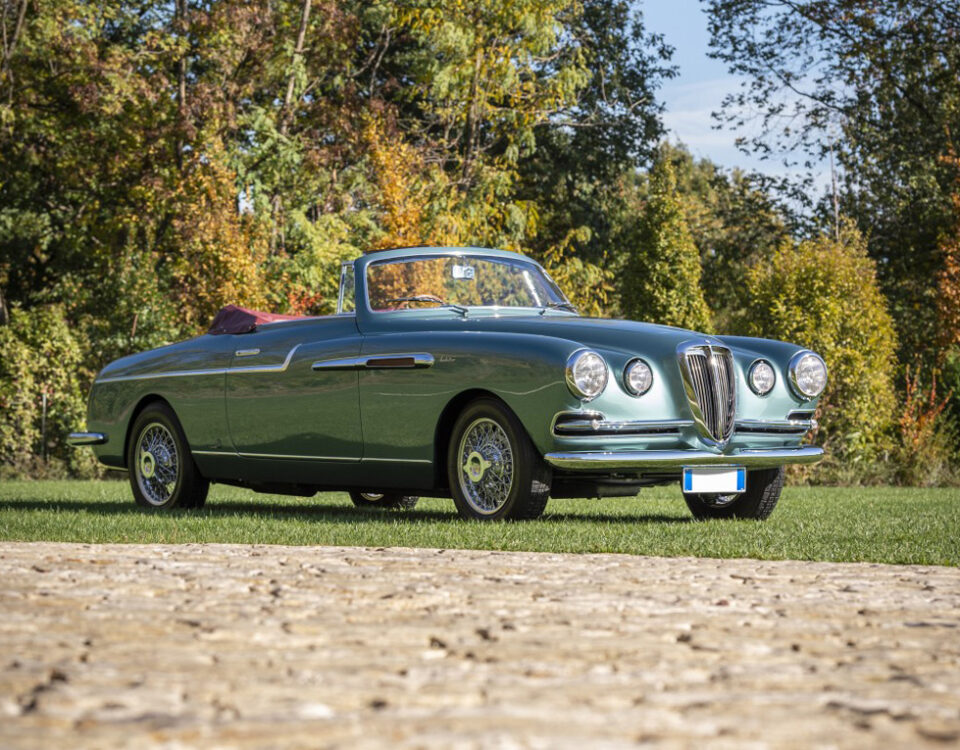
(453, 254)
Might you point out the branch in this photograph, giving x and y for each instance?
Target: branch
(297, 54)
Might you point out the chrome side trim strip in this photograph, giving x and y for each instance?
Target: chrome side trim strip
(215, 371)
(309, 458)
(285, 457)
(86, 438)
(168, 374)
(783, 426)
(400, 460)
(401, 361)
(676, 460)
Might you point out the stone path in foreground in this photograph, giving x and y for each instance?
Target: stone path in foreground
(222, 646)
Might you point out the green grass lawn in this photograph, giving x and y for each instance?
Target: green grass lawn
(891, 525)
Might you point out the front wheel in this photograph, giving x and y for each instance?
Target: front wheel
(378, 500)
(495, 472)
(759, 500)
(162, 472)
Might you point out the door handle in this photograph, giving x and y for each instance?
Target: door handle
(414, 361)
(246, 352)
(399, 362)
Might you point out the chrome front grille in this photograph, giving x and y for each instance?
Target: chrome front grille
(710, 385)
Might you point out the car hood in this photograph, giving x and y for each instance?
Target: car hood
(601, 333)
(625, 336)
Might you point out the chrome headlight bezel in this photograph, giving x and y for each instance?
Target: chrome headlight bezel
(629, 368)
(578, 358)
(754, 366)
(792, 369)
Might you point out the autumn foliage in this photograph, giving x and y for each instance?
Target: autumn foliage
(158, 160)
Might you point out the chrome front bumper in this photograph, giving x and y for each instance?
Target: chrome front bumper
(656, 461)
(86, 438)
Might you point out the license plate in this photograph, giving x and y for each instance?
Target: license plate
(715, 479)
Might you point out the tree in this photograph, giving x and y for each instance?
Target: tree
(735, 221)
(878, 83)
(660, 280)
(161, 159)
(587, 149)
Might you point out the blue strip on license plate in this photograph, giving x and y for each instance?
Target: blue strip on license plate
(715, 479)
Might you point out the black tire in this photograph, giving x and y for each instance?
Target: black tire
(526, 493)
(156, 431)
(378, 500)
(757, 503)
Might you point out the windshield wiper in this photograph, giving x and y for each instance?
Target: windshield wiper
(559, 306)
(435, 300)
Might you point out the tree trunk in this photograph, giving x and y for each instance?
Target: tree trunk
(291, 81)
(181, 24)
(4, 314)
(286, 117)
(470, 127)
(10, 43)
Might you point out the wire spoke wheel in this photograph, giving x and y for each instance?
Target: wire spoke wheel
(383, 500)
(719, 501)
(756, 502)
(485, 466)
(157, 464)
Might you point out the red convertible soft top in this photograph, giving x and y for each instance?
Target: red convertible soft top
(233, 319)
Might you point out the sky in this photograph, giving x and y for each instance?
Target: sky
(699, 88)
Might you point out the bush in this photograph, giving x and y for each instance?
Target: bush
(39, 353)
(823, 294)
(925, 454)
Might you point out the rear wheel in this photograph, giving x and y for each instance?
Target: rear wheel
(378, 500)
(162, 472)
(494, 471)
(759, 500)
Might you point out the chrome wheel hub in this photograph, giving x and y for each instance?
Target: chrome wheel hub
(719, 501)
(148, 465)
(485, 466)
(476, 466)
(157, 463)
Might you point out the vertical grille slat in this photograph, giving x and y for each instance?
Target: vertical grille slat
(708, 371)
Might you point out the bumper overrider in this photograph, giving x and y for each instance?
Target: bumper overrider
(675, 460)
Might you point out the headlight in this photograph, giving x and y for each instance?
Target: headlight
(586, 374)
(637, 377)
(761, 377)
(808, 375)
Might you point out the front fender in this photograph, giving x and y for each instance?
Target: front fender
(400, 408)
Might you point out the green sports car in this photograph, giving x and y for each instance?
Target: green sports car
(460, 372)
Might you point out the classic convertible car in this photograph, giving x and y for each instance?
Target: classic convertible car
(460, 372)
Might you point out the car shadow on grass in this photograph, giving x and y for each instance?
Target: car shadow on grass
(305, 512)
(314, 511)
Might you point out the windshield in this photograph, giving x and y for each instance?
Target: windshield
(459, 282)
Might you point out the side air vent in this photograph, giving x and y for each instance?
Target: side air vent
(710, 385)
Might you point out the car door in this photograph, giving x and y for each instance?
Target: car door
(281, 408)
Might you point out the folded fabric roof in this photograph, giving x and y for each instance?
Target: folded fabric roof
(234, 319)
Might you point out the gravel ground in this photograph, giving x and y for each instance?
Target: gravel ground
(229, 646)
